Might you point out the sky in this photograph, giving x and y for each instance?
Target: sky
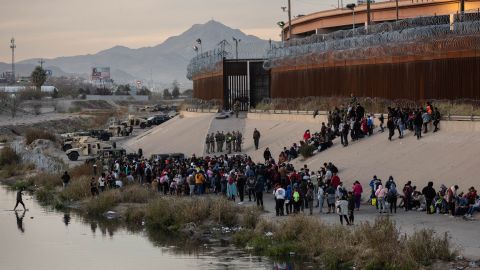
(53, 28)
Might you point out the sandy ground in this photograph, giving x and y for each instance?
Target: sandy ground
(178, 135)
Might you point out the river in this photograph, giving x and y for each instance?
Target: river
(42, 239)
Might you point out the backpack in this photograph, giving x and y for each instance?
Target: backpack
(296, 196)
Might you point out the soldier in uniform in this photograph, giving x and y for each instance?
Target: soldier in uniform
(234, 139)
(239, 141)
(222, 141)
(218, 138)
(228, 140)
(207, 143)
(212, 143)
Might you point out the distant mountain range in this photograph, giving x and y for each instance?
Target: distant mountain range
(161, 64)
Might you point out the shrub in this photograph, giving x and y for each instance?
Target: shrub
(306, 150)
(8, 156)
(425, 247)
(250, 217)
(35, 134)
(160, 215)
(104, 202)
(81, 170)
(77, 190)
(136, 194)
(48, 180)
(45, 196)
(224, 212)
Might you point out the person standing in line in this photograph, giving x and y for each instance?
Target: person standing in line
(342, 210)
(345, 131)
(20, 200)
(392, 196)
(256, 138)
(417, 122)
(320, 197)
(381, 193)
(351, 207)
(391, 128)
(381, 119)
(310, 196)
(231, 189)
(436, 119)
(357, 194)
(279, 200)
(259, 188)
(429, 193)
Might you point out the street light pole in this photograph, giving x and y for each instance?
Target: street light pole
(13, 46)
(236, 46)
(352, 7)
(289, 19)
(396, 5)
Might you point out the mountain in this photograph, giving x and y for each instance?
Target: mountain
(162, 63)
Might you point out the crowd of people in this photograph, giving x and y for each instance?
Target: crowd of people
(413, 119)
(448, 201)
(238, 176)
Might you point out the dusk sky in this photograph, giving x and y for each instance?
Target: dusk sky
(52, 28)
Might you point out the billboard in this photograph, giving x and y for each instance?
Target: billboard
(100, 73)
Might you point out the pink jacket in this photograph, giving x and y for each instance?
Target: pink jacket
(381, 192)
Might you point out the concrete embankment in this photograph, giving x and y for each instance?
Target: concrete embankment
(445, 157)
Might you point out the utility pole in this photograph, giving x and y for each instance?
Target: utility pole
(462, 6)
(13, 46)
(41, 62)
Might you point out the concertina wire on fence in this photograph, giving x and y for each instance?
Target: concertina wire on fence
(416, 36)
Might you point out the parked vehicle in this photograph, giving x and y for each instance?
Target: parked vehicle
(88, 147)
(158, 119)
(134, 121)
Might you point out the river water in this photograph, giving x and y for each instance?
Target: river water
(43, 239)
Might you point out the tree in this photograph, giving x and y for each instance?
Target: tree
(175, 89)
(123, 90)
(166, 94)
(144, 91)
(188, 93)
(39, 76)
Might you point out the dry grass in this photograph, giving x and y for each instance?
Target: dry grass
(35, 134)
(77, 190)
(377, 245)
(170, 213)
(106, 201)
(8, 156)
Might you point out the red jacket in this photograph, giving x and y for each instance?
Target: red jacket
(335, 181)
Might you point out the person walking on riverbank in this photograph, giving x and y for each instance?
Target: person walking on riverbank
(65, 179)
(256, 138)
(19, 200)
